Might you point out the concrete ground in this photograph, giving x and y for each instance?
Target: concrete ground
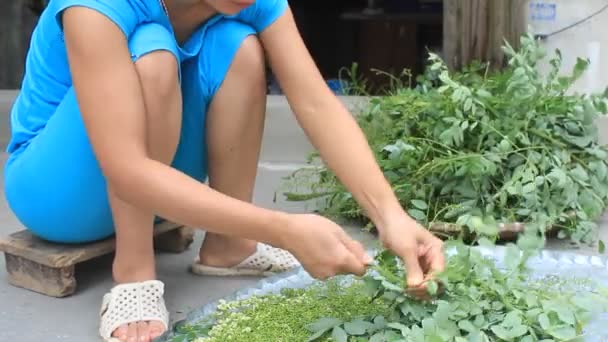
(29, 317)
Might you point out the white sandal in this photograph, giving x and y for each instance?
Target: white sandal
(133, 302)
(266, 261)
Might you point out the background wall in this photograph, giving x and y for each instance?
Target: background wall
(578, 29)
(338, 33)
(16, 24)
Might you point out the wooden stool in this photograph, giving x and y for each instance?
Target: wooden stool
(49, 268)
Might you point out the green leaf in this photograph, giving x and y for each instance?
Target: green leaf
(434, 338)
(323, 325)
(392, 287)
(429, 326)
(531, 300)
(468, 104)
(544, 321)
(432, 288)
(579, 174)
(528, 188)
(420, 204)
(501, 332)
(557, 176)
(527, 338)
(483, 93)
(601, 247)
(479, 321)
(565, 315)
(467, 326)
(581, 142)
(512, 319)
(405, 331)
(379, 322)
(518, 331)
(317, 335)
(562, 332)
(496, 305)
(512, 257)
(339, 335)
(371, 286)
(181, 338)
(485, 242)
(417, 214)
(357, 327)
(579, 68)
(523, 212)
(378, 337)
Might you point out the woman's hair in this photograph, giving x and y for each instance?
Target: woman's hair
(36, 6)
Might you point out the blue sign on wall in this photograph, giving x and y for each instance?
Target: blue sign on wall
(543, 11)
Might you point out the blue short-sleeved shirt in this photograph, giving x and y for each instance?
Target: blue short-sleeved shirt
(47, 77)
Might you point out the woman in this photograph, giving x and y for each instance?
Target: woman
(128, 106)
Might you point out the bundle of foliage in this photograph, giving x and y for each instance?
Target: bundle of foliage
(478, 302)
(472, 301)
(506, 146)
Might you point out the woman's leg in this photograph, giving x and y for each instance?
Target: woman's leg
(158, 74)
(235, 124)
(56, 188)
(134, 259)
(225, 95)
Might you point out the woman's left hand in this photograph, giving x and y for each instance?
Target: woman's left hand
(421, 251)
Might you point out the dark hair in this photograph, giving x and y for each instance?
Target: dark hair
(37, 6)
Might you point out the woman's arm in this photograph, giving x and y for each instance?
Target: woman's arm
(342, 145)
(326, 121)
(111, 103)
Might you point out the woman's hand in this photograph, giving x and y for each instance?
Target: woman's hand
(421, 251)
(323, 248)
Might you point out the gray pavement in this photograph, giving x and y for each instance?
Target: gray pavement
(29, 317)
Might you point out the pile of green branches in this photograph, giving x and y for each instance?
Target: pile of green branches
(514, 145)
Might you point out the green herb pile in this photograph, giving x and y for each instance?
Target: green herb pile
(282, 317)
(472, 301)
(505, 146)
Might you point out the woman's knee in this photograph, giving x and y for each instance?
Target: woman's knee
(155, 53)
(158, 73)
(250, 63)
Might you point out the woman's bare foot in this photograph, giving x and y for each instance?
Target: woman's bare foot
(221, 251)
(137, 331)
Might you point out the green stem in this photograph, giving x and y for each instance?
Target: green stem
(547, 137)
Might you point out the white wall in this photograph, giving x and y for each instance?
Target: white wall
(586, 40)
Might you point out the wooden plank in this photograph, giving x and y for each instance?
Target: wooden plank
(50, 281)
(24, 244)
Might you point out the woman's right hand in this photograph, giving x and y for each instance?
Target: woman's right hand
(323, 248)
